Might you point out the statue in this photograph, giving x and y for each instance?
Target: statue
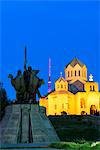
(34, 84)
(18, 84)
(27, 84)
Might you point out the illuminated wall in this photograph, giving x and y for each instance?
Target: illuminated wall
(61, 99)
(73, 74)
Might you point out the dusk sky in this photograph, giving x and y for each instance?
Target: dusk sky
(60, 30)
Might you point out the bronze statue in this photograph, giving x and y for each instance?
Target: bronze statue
(18, 84)
(27, 84)
(34, 84)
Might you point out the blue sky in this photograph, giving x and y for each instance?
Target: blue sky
(60, 30)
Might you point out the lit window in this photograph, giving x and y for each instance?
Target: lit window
(68, 73)
(61, 86)
(75, 72)
(90, 88)
(79, 73)
(93, 88)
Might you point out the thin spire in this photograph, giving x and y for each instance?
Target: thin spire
(49, 76)
(61, 74)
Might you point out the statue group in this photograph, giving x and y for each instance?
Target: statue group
(26, 85)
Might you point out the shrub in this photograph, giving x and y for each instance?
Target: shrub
(71, 146)
(95, 146)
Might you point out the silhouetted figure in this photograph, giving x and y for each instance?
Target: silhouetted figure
(18, 84)
(27, 84)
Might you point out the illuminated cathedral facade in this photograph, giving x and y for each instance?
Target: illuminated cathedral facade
(74, 94)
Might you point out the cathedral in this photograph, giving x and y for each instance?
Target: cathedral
(74, 94)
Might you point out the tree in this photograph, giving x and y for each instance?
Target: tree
(3, 99)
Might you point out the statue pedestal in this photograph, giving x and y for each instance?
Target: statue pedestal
(28, 124)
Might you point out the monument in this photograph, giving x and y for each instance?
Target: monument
(26, 84)
(26, 121)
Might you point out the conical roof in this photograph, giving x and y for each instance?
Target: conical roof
(74, 62)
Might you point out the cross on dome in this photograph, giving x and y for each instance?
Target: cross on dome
(91, 77)
(60, 74)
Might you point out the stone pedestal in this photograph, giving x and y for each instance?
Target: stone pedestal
(28, 124)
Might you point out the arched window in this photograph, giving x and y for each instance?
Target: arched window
(75, 72)
(65, 86)
(61, 86)
(79, 73)
(68, 73)
(82, 103)
(58, 86)
(90, 88)
(93, 88)
(71, 73)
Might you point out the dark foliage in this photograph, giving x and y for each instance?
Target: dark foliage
(73, 128)
(3, 101)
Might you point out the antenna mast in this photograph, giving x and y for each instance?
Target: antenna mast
(49, 76)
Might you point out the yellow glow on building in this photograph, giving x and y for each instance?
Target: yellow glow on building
(84, 101)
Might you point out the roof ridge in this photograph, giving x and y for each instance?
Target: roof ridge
(61, 78)
(74, 62)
